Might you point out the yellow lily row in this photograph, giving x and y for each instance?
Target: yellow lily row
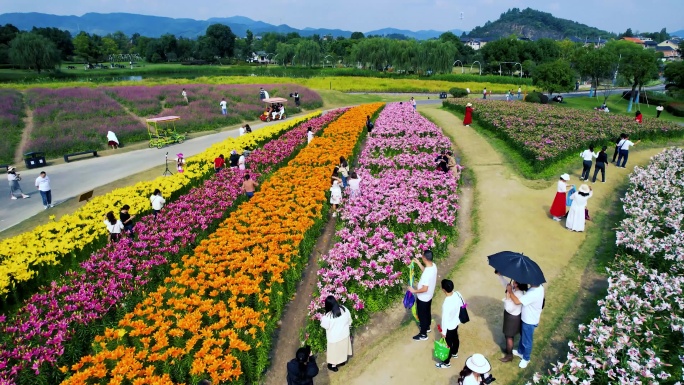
(22, 256)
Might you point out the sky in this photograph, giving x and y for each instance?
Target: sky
(367, 15)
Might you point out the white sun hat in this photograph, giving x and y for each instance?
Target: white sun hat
(478, 364)
(565, 177)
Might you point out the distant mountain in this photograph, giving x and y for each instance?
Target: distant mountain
(534, 24)
(418, 35)
(679, 33)
(155, 26)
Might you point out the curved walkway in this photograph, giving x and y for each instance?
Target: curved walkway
(511, 216)
(70, 180)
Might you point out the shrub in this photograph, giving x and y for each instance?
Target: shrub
(458, 92)
(533, 97)
(675, 108)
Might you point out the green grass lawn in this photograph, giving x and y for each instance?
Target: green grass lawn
(616, 105)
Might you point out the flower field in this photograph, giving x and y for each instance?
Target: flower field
(77, 119)
(544, 134)
(11, 125)
(403, 208)
(31, 259)
(639, 336)
(40, 337)
(203, 111)
(218, 308)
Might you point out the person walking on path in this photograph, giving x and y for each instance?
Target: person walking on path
(302, 369)
(413, 103)
(468, 118)
(475, 371)
(587, 156)
(519, 92)
(484, 93)
(224, 106)
(659, 110)
(624, 145)
(185, 96)
(618, 143)
(450, 320)
(249, 186)
(601, 163)
(13, 178)
(532, 304)
(343, 169)
(157, 201)
(576, 215)
(512, 320)
(335, 194)
(309, 135)
(114, 227)
(219, 163)
(508, 95)
(112, 140)
(337, 321)
(127, 219)
(43, 185)
(559, 202)
(424, 293)
(369, 124)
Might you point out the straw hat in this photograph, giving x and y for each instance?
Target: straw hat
(565, 177)
(584, 189)
(469, 105)
(10, 168)
(478, 364)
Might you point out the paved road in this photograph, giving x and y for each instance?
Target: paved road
(70, 180)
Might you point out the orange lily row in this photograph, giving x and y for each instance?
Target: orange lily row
(215, 315)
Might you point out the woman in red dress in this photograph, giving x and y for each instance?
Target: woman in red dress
(468, 115)
(638, 117)
(559, 202)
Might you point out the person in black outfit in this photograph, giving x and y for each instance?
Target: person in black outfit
(302, 369)
(126, 218)
(234, 158)
(442, 162)
(601, 163)
(296, 98)
(369, 124)
(617, 147)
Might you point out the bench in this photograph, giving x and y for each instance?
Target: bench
(66, 157)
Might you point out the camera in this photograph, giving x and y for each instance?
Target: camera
(488, 379)
(291, 95)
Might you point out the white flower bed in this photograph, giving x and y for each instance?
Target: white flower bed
(638, 338)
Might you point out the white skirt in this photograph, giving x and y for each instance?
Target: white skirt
(339, 352)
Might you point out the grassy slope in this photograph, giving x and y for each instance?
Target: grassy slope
(616, 105)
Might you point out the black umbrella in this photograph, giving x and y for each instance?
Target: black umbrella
(518, 267)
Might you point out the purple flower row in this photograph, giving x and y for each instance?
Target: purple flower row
(11, 112)
(39, 334)
(401, 210)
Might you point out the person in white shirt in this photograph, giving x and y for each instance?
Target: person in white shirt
(112, 140)
(587, 156)
(413, 102)
(309, 135)
(659, 110)
(242, 130)
(512, 321)
(354, 184)
(476, 371)
(519, 92)
(424, 293)
(157, 201)
(281, 112)
(114, 227)
(241, 161)
(450, 321)
(43, 185)
(185, 96)
(624, 146)
(224, 106)
(335, 194)
(532, 303)
(336, 322)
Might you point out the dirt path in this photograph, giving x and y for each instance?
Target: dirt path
(510, 216)
(26, 135)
